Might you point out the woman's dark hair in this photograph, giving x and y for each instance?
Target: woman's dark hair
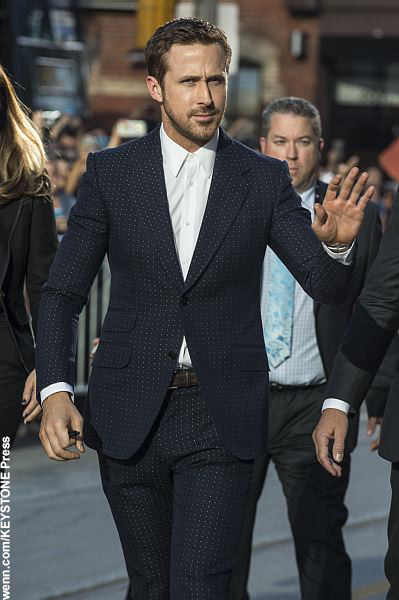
(185, 31)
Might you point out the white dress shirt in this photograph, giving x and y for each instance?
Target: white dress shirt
(188, 179)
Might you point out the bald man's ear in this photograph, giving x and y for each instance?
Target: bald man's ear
(263, 144)
(154, 88)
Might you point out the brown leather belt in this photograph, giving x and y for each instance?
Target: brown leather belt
(183, 378)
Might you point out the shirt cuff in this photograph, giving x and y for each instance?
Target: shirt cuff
(346, 258)
(335, 403)
(62, 386)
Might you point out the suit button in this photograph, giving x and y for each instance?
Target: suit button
(172, 355)
(184, 301)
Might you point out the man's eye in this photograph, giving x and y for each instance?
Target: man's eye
(279, 142)
(216, 81)
(188, 81)
(304, 142)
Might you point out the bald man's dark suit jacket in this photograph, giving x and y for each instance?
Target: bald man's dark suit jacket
(122, 211)
(374, 325)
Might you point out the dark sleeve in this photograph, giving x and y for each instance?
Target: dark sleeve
(377, 395)
(370, 238)
(323, 278)
(374, 235)
(43, 243)
(75, 266)
(373, 325)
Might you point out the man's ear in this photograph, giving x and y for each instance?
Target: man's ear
(154, 88)
(321, 145)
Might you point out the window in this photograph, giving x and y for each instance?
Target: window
(368, 85)
(245, 92)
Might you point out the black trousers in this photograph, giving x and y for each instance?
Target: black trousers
(12, 382)
(315, 500)
(179, 505)
(392, 557)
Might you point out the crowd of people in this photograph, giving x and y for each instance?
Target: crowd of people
(68, 139)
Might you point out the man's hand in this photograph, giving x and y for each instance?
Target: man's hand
(32, 407)
(373, 424)
(339, 219)
(94, 346)
(333, 425)
(60, 415)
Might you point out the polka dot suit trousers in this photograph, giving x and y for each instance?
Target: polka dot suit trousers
(178, 504)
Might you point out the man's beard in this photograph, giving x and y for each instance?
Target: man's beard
(199, 133)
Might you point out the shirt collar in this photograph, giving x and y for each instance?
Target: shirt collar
(174, 155)
(307, 197)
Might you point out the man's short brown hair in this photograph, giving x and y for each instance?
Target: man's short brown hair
(185, 31)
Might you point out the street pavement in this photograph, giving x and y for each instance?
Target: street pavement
(64, 544)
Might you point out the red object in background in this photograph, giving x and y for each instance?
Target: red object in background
(388, 160)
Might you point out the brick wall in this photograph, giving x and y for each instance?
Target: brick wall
(270, 19)
(114, 86)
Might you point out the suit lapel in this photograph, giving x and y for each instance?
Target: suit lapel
(228, 191)
(154, 199)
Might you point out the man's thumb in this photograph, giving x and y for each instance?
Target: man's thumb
(78, 426)
(371, 425)
(338, 450)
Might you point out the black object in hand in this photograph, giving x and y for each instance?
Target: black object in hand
(73, 433)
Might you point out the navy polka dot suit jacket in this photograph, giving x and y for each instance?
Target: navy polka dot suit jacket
(122, 211)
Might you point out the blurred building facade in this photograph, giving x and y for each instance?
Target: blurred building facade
(340, 54)
(41, 45)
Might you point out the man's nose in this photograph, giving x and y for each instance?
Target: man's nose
(291, 151)
(204, 94)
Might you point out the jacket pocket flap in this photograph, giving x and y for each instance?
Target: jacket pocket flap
(250, 358)
(112, 355)
(119, 320)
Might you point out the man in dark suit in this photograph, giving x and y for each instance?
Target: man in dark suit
(177, 402)
(374, 325)
(315, 503)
